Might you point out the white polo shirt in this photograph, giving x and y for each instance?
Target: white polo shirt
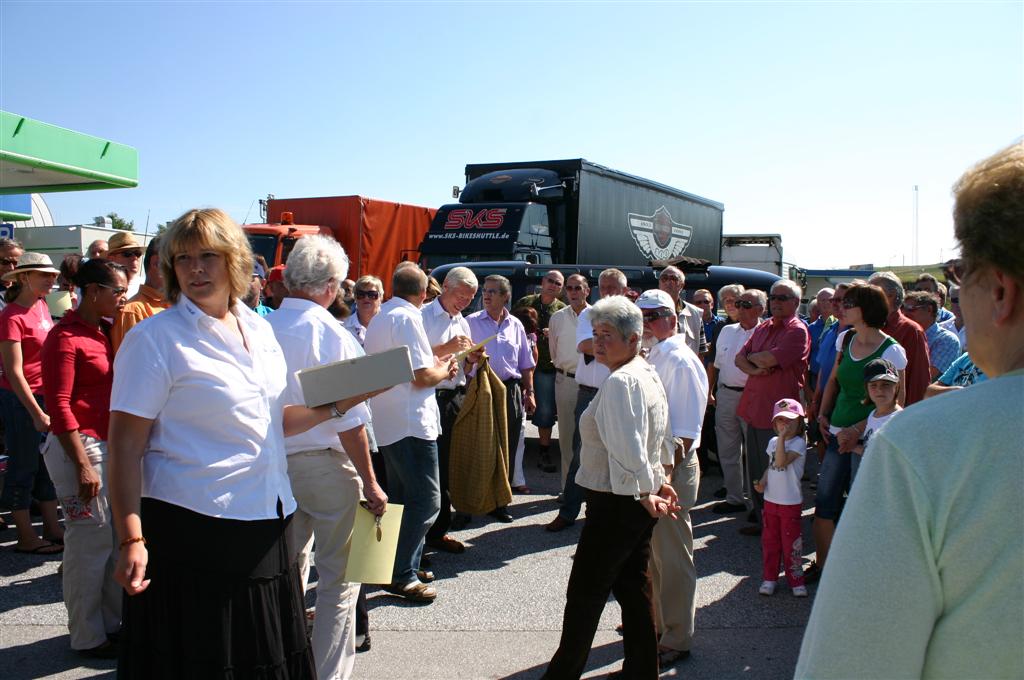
(730, 341)
(404, 410)
(686, 386)
(357, 329)
(562, 339)
(593, 374)
(441, 327)
(217, 443)
(310, 336)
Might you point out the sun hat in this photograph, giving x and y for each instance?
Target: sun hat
(34, 262)
(787, 408)
(655, 299)
(257, 270)
(122, 240)
(880, 369)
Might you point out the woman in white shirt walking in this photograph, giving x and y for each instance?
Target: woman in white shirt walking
(625, 444)
(197, 459)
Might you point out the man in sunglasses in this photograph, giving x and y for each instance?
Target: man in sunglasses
(10, 251)
(775, 359)
(126, 250)
(545, 303)
(955, 324)
(147, 302)
(564, 357)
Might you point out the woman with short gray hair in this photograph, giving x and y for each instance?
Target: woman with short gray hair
(626, 445)
(315, 262)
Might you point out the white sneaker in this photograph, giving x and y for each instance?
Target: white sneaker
(768, 588)
(800, 591)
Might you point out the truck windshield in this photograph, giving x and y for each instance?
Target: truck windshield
(265, 245)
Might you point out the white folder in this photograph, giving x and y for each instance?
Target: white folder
(343, 379)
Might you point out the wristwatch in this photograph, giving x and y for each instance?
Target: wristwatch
(335, 413)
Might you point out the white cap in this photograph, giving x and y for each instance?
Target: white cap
(655, 299)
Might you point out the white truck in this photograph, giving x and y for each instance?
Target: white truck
(59, 241)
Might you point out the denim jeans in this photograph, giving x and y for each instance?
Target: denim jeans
(544, 389)
(26, 477)
(833, 481)
(572, 494)
(412, 482)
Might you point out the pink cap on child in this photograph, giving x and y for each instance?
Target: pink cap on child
(787, 408)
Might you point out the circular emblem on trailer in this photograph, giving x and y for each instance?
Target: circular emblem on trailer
(658, 236)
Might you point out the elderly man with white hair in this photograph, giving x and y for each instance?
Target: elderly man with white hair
(775, 359)
(672, 280)
(685, 381)
(449, 333)
(329, 464)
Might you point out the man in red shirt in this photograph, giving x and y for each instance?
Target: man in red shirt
(906, 332)
(775, 357)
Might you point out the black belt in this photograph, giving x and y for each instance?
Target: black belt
(511, 381)
(588, 389)
(730, 387)
(565, 373)
(443, 391)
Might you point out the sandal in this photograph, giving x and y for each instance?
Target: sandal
(668, 657)
(414, 592)
(46, 548)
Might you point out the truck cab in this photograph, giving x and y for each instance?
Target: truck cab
(502, 215)
(275, 241)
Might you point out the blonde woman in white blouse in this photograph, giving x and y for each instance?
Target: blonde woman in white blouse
(626, 453)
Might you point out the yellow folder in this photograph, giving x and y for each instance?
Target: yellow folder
(371, 557)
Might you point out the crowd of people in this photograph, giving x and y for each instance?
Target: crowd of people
(164, 416)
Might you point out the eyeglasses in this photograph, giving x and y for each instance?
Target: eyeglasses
(849, 304)
(574, 288)
(776, 297)
(118, 292)
(9, 261)
(702, 303)
(368, 294)
(746, 304)
(130, 253)
(655, 314)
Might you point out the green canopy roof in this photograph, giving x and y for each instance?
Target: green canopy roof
(37, 157)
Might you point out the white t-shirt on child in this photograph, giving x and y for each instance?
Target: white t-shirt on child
(874, 424)
(782, 487)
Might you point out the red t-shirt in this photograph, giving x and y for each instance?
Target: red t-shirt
(29, 326)
(906, 332)
(78, 374)
(790, 344)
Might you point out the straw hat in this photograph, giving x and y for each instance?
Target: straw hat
(32, 262)
(123, 240)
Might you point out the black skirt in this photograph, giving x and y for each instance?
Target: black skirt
(224, 601)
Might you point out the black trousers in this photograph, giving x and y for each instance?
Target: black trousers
(514, 412)
(449, 403)
(613, 556)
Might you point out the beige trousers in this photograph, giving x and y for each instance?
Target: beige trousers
(565, 406)
(673, 573)
(327, 489)
(91, 595)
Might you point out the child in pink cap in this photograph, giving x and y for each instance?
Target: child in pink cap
(781, 537)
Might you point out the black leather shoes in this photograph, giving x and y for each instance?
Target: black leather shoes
(501, 514)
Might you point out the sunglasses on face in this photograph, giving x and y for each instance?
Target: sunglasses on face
(130, 253)
(655, 314)
(9, 261)
(118, 292)
(702, 303)
(778, 297)
(746, 304)
(554, 281)
(368, 294)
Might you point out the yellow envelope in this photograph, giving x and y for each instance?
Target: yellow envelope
(371, 557)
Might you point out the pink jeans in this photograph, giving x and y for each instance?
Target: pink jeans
(782, 539)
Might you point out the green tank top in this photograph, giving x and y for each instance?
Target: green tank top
(850, 375)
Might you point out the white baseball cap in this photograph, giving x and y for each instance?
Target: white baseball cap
(655, 299)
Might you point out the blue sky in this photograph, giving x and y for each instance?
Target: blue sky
(813, 120)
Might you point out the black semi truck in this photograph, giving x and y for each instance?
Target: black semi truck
(571, 211)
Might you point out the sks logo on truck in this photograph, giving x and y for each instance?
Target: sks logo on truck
(658, 236)
(466, 218)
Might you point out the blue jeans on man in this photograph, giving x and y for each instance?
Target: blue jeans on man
(413, 482)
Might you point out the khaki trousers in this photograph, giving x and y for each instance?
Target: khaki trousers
(672, 570)
(327, 489)
(565, 405)
(91, 595)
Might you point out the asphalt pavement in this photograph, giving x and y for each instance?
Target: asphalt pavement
(499, 608)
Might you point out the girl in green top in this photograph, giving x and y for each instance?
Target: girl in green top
(842, 412)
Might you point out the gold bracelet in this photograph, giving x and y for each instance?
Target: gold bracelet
(129, 541)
